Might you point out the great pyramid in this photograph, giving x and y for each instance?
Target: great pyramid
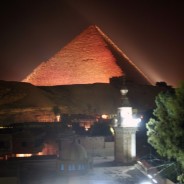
(89, 58)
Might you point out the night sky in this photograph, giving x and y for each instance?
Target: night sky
(150, 33)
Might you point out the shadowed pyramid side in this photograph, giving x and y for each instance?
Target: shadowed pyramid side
(130, 70)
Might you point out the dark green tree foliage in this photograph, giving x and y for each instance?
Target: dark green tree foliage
(166, 131)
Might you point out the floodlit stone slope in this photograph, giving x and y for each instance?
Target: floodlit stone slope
(90, 58)
(22, 95)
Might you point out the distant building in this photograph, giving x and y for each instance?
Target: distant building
(73, 157)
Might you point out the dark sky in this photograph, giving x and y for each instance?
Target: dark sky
(150, 33)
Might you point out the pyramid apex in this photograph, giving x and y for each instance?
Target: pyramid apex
(93, 27)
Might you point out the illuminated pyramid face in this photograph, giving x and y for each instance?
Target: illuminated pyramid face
(90, 58)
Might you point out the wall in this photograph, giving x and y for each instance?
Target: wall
(97, 146)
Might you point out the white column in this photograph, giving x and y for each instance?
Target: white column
(125, 144)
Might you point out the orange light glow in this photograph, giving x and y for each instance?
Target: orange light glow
(58, 118)
(24, 155)
(40, 153)
(104, 116)
(87, 126)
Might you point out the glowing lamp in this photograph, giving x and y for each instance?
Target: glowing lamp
(23, 155)
(58, 118)
(124, 91)
(126, 119)
(104, 116)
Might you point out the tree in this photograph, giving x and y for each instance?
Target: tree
(166, 130)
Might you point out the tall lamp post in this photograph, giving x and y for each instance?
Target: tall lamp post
(125, 132)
